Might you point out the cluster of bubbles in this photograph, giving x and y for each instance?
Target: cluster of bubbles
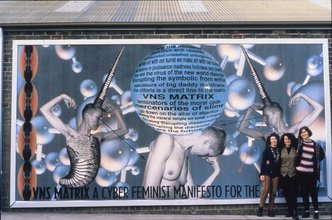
(116, 155)
(121, 154)
(242, 93)
(67, 52)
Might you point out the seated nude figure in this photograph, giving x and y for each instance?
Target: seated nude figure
(168, 161)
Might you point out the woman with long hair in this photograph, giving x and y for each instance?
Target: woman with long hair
(288, 156)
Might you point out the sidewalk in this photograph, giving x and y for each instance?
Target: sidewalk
(106, 216)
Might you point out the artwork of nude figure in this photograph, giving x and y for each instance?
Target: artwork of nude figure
(83, 147)
(273, 112)
(168, 161)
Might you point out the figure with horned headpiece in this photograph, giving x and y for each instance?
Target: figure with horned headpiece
(273, 112)
(83, 147)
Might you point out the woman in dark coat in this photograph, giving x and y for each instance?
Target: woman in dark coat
(270, 172)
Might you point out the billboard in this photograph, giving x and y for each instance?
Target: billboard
(159, 122)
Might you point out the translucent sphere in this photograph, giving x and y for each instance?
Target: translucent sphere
(250, 154)
(132, 134)
(40, 166)
(231, 51)
(133, 158)
(292, 87)
(52, 160)
(135, 170)
(88, 88)
(241, 93)
(315, 65)
(231, 145)
(59, 172)
(65, 52)
(63, 156)
(115, 155)
(274, 68)
(105, 178)
(56, 110)
(123, 188)
(230, 112)
(178, 73)
(231, 78)
(77, 67)
(42, 126)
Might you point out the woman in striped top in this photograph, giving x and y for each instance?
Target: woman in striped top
(310, 153)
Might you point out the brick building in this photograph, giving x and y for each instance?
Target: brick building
(100, 21)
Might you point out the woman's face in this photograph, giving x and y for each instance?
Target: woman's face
(304, 134)
(274, 141)
(287, 141)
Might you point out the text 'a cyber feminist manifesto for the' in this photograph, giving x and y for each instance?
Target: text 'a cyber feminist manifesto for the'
(149, 192)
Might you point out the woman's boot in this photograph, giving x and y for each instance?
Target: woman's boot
(259, 212)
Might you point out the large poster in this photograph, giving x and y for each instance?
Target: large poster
(159, 122)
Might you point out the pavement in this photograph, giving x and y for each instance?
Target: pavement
(108, 216)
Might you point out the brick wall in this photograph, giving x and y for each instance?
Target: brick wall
(10, 35)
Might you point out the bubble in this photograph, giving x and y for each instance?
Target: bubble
(231, 51)
(292, 87)
(274, 68)
(114, 155)
(250, 154)
(314, 65)
(52, 160)
(56, 110)
(42, 126)
(132, 134)
(105, 178)
(135, 170)
(180, 74)
(60, 172)
(231, 145)
(231, 78)
(63, 156)
(133, 157)
(65, 52)
(40, 166)
(230, 112)
(88, 88)
(241, 93)
(123, 188)
(133, 153)
(77, 67)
